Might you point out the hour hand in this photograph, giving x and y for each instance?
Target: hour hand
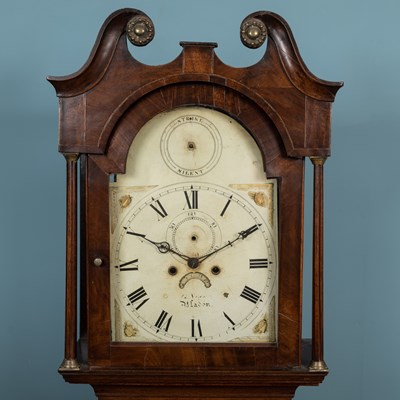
(163, 247)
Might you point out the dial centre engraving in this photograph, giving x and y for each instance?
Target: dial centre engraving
(194, 233)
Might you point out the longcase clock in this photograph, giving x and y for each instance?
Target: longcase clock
(186, 184)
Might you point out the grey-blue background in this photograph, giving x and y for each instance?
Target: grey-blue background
(352, 40)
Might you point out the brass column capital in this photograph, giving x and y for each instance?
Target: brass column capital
(71, 157)
(318, 161)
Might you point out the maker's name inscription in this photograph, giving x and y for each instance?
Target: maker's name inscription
(194, 301)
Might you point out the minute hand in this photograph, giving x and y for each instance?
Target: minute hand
(241, 235)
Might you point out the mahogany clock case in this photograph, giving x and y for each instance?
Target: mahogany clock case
(103, 106)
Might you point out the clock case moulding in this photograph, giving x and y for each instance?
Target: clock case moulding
(286, 109)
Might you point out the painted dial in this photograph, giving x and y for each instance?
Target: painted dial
(195, 262)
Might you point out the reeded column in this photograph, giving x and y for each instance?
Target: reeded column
(70, 358)
(317, 362)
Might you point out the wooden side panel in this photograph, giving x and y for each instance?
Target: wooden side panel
(98, 277)
(72, 124)
(318, 126)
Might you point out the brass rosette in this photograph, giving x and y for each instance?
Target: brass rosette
(253, 33)
(140, 30)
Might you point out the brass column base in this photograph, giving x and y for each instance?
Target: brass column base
(69, 365)
(318, 366)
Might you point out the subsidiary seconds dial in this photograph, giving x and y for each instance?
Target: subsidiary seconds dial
(195, 262)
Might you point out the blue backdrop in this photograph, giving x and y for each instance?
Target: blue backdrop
(355, 41)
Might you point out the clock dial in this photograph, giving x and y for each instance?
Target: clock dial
(195, 262)
(194, 234)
